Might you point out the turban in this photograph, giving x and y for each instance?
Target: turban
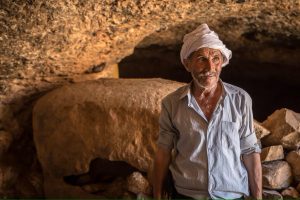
(201, 37)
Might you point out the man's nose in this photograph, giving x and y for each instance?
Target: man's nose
(210, 65)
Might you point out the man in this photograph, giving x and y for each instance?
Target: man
(209, 126)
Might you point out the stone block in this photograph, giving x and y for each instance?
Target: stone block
(291, 141)
(280, 123)
(272, 153)
(260, 131)
(277, 175)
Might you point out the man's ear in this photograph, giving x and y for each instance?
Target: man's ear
(187, 64)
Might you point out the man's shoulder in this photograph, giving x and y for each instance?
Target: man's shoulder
(177, 94)
(235, 90)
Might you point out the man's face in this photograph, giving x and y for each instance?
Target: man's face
(205, 66)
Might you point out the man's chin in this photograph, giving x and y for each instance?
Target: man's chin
(206, 84)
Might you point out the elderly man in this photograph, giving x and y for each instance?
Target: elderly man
(209, 126)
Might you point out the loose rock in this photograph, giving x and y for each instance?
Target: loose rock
(290, 192)
(280, 123)
(291, 141)
(277, 175)
(260, 131)
(293, 158)
(271, 194)
(272, 153)
(136, 183)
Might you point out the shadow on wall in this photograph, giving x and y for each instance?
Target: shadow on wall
(269, 84)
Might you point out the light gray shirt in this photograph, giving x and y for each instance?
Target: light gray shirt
(207, 161)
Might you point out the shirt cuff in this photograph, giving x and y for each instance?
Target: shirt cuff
(250, 144)
(165, 140)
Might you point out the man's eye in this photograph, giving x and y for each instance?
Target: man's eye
(216, 59)
(201, 58)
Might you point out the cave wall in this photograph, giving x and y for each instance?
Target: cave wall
(45, 44)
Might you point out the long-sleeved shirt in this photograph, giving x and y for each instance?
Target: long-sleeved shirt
(207, 161)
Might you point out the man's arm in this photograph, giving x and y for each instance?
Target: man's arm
(253, 165)
(161, 166)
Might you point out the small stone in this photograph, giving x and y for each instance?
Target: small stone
(290, 192)
(5, 141)
(271, 194)
(136, 183)
(276, 175)
(272, 153)
(280, 123)
(293, 158)
(260, 131)
(291, 141)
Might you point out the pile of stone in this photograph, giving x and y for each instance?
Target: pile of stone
(280, 154)
(117, 120)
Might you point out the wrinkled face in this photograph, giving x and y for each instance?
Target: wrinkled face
(205, 66)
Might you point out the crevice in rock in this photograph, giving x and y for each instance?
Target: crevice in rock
(104, 178)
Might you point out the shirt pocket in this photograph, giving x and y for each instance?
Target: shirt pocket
(229, 135)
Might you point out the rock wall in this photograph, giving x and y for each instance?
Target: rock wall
(45, 44)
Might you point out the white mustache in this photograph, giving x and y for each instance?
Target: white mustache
(207, 74)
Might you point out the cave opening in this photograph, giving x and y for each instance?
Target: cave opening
(272, 85)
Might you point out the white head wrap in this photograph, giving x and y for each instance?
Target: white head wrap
(201, 37)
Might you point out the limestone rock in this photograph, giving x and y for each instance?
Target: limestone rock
(136, 184)
(276, 175)
(280, 123)
(5, 141)
(291, 141)
(290, 192)
(271, 194)
(260, 131)
(272, 153)
(114, 119)
(293, 158)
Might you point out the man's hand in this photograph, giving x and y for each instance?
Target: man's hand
(161, 166)
(253, 165)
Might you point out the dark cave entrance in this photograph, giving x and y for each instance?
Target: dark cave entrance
(271, 85)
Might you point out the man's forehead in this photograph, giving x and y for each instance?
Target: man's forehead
(206, 50)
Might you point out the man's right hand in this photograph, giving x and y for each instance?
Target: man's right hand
(161, 165)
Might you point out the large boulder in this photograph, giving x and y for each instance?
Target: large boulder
(114, 119)
(281, 123)
(277, 175)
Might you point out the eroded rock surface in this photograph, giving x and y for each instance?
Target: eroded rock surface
(114, 119)
(277, 175)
